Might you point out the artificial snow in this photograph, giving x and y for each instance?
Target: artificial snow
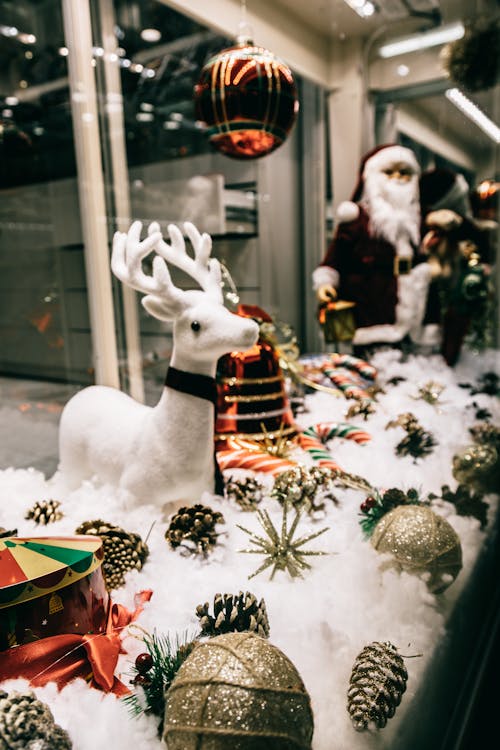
(322, 621)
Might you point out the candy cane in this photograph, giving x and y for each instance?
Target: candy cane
(316, 450)
(365, 369)
(247, 459)
(343, 381)
(325, 431)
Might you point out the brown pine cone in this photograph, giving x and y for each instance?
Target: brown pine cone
(246, 492)
(234, 613)
(44, 512)
(194, 528)
(123, 550)
(27, 724)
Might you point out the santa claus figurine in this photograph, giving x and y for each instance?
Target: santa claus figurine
(373, 258)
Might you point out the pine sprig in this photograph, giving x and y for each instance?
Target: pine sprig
(167, 655)
(466, 502)
(378, 504)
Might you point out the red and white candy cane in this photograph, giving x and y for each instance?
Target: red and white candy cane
(316, 450)
(365, 369)
(250, 459)
(343, 381)
(325, 431)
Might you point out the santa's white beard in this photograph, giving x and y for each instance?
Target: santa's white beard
(394, 212)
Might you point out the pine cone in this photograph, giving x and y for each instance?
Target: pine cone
(45, 512)
(27, 724)
(246, 492)
(194, 527)
(393, 497)
(305, 488)
(7, 532)
(123, 550)
(378, 680)
(237, 613)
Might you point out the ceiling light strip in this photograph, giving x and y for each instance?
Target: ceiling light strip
(439, 35)
(474, 114)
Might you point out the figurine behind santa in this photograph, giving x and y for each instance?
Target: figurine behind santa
(374, 259)
(457, 246)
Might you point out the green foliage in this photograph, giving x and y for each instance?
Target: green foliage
(167, 656)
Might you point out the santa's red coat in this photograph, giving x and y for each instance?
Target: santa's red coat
(365, 265)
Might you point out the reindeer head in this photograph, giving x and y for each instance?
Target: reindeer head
(203, 328)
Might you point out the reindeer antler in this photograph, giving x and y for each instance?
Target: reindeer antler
(163, 297)
(201, 268)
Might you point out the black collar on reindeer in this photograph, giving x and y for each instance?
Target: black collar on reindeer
(202, 386)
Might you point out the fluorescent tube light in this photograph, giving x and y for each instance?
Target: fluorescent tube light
(473, 112)
(364, 8)
(433, 38)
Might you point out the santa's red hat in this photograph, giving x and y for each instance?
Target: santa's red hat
(380, 158)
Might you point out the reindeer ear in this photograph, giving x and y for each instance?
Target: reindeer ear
(160, 308)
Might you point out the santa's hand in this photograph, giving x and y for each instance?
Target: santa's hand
(326, 293)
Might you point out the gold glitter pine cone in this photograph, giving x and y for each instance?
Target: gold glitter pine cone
(123, 550)
(378, 681)
(194, 527)
(237, 691)
(420, 542)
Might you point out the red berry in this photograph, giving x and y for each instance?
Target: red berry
(369, 503)
(143, 663)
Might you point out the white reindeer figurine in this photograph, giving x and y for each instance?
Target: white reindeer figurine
(166, 453)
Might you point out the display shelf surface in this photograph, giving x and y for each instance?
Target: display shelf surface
(323, 621)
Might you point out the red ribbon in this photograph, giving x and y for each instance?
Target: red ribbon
(62, 658)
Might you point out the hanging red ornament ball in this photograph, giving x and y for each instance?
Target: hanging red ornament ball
(248, 100)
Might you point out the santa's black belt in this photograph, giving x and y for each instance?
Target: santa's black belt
(398, 266)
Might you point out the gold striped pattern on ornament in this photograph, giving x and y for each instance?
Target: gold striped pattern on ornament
(255, 397)
(257, 435)
(255, 415)
(251, 381)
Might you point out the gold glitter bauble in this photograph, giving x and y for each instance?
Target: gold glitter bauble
(237, 692)
(477, 466)
(420, 541)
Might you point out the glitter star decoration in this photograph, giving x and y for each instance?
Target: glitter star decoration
(279, 548)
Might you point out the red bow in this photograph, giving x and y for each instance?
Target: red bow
(61, 658)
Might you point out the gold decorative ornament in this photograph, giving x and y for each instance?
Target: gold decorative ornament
(478, 466)
(237, 691)
(420, 542)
